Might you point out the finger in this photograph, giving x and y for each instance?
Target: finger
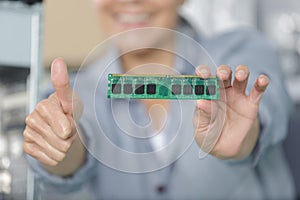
(203, 71)
(202, 118)
(31, 136)
(73, 125)
(34, 150)
(59, 144)
(35, 122)
(259, 88)
(206, 112)
(224, 74)
(204, 105)
(61, 84)
(241, 79)
(54, 116)
(201, 123)
(204, 124)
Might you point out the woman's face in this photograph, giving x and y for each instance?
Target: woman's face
(122, 15)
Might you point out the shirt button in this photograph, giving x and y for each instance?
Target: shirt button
(161, 189)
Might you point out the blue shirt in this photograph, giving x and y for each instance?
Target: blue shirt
(122, 164)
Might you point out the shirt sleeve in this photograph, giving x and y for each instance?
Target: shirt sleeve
(248, 47)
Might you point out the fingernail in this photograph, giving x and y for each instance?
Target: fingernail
(241, 73)
(204, 71)
(263, 80)
(223, 72)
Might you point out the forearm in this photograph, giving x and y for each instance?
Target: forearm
(75, 158)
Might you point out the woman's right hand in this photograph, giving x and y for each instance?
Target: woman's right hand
(50, 129)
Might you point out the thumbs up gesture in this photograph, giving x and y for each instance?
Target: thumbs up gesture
(50, 129)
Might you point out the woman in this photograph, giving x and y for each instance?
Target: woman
(244, 144)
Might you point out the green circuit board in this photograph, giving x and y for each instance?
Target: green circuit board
(183, 87)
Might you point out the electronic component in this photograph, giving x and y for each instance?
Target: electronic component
(189, 87)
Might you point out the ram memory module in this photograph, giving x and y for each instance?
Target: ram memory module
(183, 87)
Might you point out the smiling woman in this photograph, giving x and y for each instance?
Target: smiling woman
(120, 15)
(144, 148)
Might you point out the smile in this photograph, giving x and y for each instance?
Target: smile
(126, 18)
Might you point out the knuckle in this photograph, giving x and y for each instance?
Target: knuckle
(68, 129)
(52, 96)
(53, 152)
(31, 120)
(28, 119)
(66, 146)
(52, 164)
(25, 148)
(28, 149)
(42, 107)
(66, 132)
(26, 134)
(60, 157)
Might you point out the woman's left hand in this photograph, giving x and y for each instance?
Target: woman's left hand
(234, 135)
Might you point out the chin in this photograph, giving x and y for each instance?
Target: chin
(143, 39)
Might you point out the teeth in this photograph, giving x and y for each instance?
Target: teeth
(133, 18)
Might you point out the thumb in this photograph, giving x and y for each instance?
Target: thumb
(202, 117)
(207, 126)
(61, 84)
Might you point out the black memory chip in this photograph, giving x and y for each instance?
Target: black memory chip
(187, 89)
(151, 89)
(116, 88)
(127, 89)
(176, 89)
(139, 89)
(199, 89)
(211, 90)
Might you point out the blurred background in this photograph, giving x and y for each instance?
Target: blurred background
(33, 33)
